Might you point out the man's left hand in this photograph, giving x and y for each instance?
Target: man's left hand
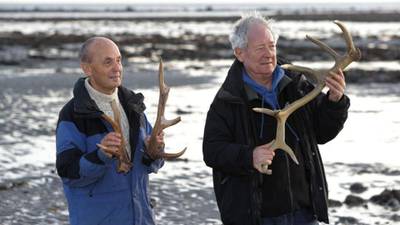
(159, 141)
(336, 84)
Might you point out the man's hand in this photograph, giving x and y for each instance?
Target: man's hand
(110, 144)
(159, 143)
(336, 84)
(262, 155)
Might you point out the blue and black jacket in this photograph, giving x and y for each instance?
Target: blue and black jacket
(95, 192)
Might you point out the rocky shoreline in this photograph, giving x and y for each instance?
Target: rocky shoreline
(24, 50)
(47, 46)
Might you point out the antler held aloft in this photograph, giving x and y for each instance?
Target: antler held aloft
(341, 62)
(153, 150)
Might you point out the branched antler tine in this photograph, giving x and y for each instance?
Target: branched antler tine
(346, 35)
(266, 111)
(324, 47)
(164, 87)
(353, 53)
(164, 91)
(161, 123)
(173, 155)
(167, 123)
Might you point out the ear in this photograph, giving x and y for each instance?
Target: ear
(239, 54)
(87, 69)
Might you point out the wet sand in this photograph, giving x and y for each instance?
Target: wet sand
(184, 200)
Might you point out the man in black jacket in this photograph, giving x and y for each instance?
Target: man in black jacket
(235, 136)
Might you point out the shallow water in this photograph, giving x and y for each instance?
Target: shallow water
(384, 31)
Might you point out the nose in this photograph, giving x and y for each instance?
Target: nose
(117, 66)
(269, 52)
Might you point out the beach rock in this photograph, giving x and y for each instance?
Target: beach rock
(388, 198)
(358, 188)
(7, 185)
(394, 204)
(346, 220)
(395, 217)
(388, 171)
(352, 200)
(334, 203)
(183, 112)
(384, 76)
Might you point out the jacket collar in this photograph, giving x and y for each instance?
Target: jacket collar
(234, 88)
(85, 106)
(252, 95)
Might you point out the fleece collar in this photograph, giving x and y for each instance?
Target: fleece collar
(268, 96)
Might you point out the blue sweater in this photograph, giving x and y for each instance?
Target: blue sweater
(268, 96)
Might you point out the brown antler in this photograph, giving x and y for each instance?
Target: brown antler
(341, 62)
(124, 164)
(153, 150)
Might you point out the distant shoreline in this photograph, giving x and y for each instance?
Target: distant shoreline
(356, 16)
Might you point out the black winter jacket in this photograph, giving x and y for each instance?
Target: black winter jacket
(230, 136)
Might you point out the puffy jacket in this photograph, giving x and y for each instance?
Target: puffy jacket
(95, 192)
(230, 135)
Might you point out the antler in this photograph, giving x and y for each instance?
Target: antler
(153, 150)
(341, 62)
(124, 164)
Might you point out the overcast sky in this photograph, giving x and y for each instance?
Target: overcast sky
(188, 1)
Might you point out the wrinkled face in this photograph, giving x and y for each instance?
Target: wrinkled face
(259, 58)
(104, 69)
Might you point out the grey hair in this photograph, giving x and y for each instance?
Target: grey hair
(238, 36)
(84, 53)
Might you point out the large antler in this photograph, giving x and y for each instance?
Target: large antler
(341, 62)
(124, 164)
(153, 150)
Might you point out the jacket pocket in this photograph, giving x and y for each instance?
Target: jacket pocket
(234, 199)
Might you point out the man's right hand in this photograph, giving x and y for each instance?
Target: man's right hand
(110, 144)
(263, 155)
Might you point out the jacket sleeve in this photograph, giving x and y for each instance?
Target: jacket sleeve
(328, 116)
(220, 149)
(75, 164)
(153, 165)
